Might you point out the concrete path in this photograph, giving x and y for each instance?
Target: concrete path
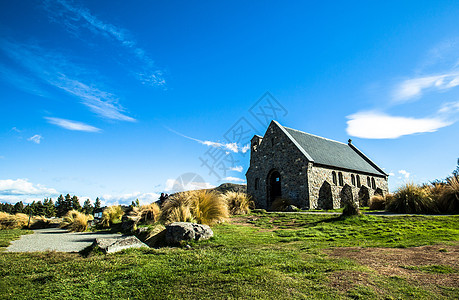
(56, 239)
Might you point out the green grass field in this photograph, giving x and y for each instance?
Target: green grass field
(259, 256)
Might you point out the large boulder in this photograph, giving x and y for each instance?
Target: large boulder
(179, 232)
(118, 244)
(351, 208)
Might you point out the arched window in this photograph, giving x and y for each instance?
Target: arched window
(340, 178)
(353, 179)
(373, 183)
(358, 181)
(334, 177)
(257, 182)
(272, 141)
(368, 181)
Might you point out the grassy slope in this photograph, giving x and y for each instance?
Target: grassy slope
(278, 257)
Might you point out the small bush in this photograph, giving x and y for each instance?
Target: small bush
(412, 198)
(448, 195)
(40, 222)
(111, 215)
(377, 202)
(147, 214)
(177, 208)
(75, 221)
(17, 221)
(202, 206)
(280, 204)
(207, 207)
(238, 203)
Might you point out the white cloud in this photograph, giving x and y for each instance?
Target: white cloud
(233, 179)
(72, 125)
(22, 190)
(414, 87)
(237, 169)
(75, 19)
(36, 139)
(391, 174)
(174, 185)
(233, 147)
(405, 174)
(126, 199)
(377, 125)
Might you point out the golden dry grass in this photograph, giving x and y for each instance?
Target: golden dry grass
(75, 221)
(17, 221)
(177, 208)
(412, 198)
(238, 203)
(111, 215)
(377, 202)
(147, 214)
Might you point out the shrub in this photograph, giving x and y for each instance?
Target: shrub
(8, 221)
(238, 203)
(207, 207)
(202, 206)
(40, 222)
(147, 214)
(412, 198)
(75, 221)
(177, 208)
(111, 215)
(446, 195)
(280, 204)
(377, 202)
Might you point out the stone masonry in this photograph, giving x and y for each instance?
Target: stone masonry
(279, 167)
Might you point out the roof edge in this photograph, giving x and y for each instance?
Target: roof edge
(357, 150)
(293, 141)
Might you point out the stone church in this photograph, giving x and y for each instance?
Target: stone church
(309, 170)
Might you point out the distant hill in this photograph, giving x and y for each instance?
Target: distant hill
(224, 187)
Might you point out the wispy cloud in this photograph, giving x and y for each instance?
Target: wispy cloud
(55, 70)
(405, 174)
(237, 169)
(415, 87)
(233, 147)
(233, 179)
(14, 190)
(76, 18)
(377, 125)
(36, 139)
(72, 125)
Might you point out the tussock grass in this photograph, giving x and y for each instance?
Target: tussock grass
(208, 207)
(75, 221)
(377, 202)
(448, 198)
(238, 203)
(201, 206)
(111, 215)
(147, 214)
(280, 204)
(412, 198)
(17, 221)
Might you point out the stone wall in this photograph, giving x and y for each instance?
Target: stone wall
(277, 152)
(317, 175)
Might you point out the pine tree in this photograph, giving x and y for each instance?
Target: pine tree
(50, 210)
(76, 203)
(88, 208)
(97, 204)
(18, 207)
(60, 206)
(67, 203)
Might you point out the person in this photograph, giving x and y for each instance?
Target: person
(162, 198)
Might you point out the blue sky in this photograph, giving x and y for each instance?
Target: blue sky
(123, 100)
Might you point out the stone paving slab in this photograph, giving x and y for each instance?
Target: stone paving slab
(56, 239)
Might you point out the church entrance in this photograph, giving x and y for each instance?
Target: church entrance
(274, 188)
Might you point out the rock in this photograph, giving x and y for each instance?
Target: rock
(291, 208)
(183, 231)
(118, 244)
(129, 223)
(351, 208)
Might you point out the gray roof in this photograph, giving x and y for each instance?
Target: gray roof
(332, 153)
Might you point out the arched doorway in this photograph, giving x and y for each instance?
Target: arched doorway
(325, 200)
(274, 187)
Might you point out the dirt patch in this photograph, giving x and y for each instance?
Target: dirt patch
(406, 262)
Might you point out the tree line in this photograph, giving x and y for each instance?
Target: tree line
(49, 208)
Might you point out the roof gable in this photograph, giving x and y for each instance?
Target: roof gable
(327, 152)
